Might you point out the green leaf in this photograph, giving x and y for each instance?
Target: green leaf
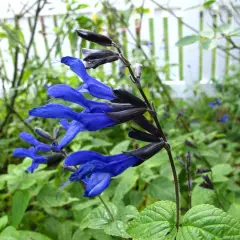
(33, 235)
(209, 44)
(9, 233)
(3, 222)
(99, 217)
(201, 195)
(208, 222)
(120, 147)
(208, 3)
(161, 189)
(235, 32)
(187, 40)
(157, 221)
(234, 210)
(207, 33)
(81, 235)
(117, 228)
(47, 197)
(225, 28)
(129, 178)
(65, 230)
(219, 172)
(19, 205)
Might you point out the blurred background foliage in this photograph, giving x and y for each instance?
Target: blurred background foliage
(28, 204)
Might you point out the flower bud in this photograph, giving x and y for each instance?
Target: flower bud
(142, 136)
(94, 37)
(207, 183)
(95, 58)
(126, 115)
(148, 151)
(138, 70)
(43, 133)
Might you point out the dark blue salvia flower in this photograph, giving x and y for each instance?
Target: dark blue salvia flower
(31, 153)
(91, 85)
(97, 170)
(95, 116)
(224, 118)
(215, 103)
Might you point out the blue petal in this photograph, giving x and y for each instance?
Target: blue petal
(54, 111)
(98, 107)
(27, 137)
(83, 88)
(23, 152)
(82, 157)
(32, 167)
(119, 163)
(224, 118)
(97, 183)
(67, 93)
(73, 129)
(95, 88)
(95, 121)
(65, 123)
(82, 172)
(43, 147)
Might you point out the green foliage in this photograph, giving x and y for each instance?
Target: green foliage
(30, 205)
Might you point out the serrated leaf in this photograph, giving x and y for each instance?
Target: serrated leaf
(157, 221)
(208, 222)
(187, 40)
(19, 206)
(234, 210)
(220, 171)
(99, 217)
(120, 147)
(161, 189)
(81, 235)
(117, 228)
(201, 195)
(129, 178)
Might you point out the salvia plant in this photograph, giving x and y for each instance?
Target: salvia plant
(95, 171)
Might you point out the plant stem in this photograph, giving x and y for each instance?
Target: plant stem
(168, 149)
(155, 118)
(107, 208)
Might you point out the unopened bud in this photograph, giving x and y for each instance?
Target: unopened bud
(138, 70)
(94, 37)
(43, 133)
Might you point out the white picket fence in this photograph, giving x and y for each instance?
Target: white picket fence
(186, 65)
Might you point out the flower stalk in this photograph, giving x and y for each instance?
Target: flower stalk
(153, 113)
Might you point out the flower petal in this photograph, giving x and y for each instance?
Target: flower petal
(67, 93)
(96, 121)
(82, 157)
(95, 88)
(73, 129)
(32, 167)
(27, 137)
(65, 123)
(54, 111)
(97, 183)
(23, 152)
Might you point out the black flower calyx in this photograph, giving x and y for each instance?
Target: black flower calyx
(147, 151)
(207, 183)
(142, 136)
(42, 133)
(94, 37)
(124, 96)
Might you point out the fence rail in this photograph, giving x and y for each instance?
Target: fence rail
(159, 32)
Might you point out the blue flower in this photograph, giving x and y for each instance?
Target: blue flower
(224, 118)
(39, 146)
(91, 85)
(97, 170)
(31, 153)
(215, 103)
(84, 121)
